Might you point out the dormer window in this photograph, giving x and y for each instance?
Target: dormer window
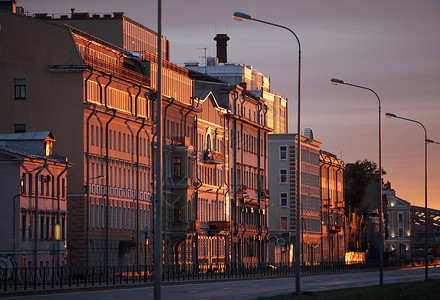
(48, 148)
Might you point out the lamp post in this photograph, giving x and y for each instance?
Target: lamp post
(157, 236)
(426, 141)
(335, 81)
(239, 16)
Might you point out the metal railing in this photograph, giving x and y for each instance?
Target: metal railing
(62, 277)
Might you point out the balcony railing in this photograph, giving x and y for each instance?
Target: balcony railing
(180, 141)
(211, 157)
(116, 70)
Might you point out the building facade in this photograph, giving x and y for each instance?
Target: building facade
(34, 210)
(96, 90)
(248, 78)
(98, 99)
(282, 204)
(398, 221)
(332, 208)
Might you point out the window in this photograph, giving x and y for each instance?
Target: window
(42, 184)
(283, 199)
(47, 227)
(19, 128)
(92, 135)
(30, 183)
(23, 226)
(283, 152)
(400, 217)
(63, 229)
(177, 167)
(63, 187)
(283, 223)
(283, 176)
(41, 227)
(20, 88)
(400, 231)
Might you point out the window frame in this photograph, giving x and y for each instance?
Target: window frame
(282, 176)
(19, 88)
(282, 151)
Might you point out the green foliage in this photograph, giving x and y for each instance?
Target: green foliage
(357, 177)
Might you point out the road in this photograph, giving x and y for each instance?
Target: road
(248, 289)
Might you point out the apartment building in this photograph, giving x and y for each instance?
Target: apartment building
(332, 207)
(250, 79)
(98, 99)
(34, 211)
(398, 224)
(244, 191)
(282, 204)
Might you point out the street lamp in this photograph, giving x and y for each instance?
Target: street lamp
(431, 141)
(239, 16)
(336, 81)
(426, 141)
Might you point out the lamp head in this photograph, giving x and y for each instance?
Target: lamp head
(336, 81)
(390, 115)
(429, 141)
(239, 16)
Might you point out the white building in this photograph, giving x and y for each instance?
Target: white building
(398, 238)
(282, 203)
(250, 79)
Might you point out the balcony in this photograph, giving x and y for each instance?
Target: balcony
(211, 157)
(181, 141)
(220, 225)
(265, 194)
(241, 189)
(116, 70)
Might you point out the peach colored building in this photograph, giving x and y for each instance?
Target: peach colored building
(34, 213)
(93, 82)
(332, 210)
(98, 99)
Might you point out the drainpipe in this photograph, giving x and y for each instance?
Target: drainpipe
(36, 210)
(136, 101)
(88, 182)
(105, 90)
(100, 87)
(85, 84)
(107, 200)
(165, 185)
(196, 200)
(152, 97)
(234, 173)
(59, 203)
(187, 113)
(165, 116)
(259, 108)
(137, 187)
(225, 182)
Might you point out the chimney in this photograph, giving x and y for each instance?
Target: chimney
(9, 6)
(222, 39)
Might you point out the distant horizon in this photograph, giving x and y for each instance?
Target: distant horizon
(392, 47)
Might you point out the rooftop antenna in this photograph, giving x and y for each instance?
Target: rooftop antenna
(341, 154)
(204, 57)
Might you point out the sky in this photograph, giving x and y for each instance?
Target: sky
(392, 47)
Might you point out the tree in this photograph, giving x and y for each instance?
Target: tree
(357, 177)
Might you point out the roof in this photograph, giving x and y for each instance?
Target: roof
(27, 136)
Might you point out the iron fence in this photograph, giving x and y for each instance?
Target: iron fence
(42, 278)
